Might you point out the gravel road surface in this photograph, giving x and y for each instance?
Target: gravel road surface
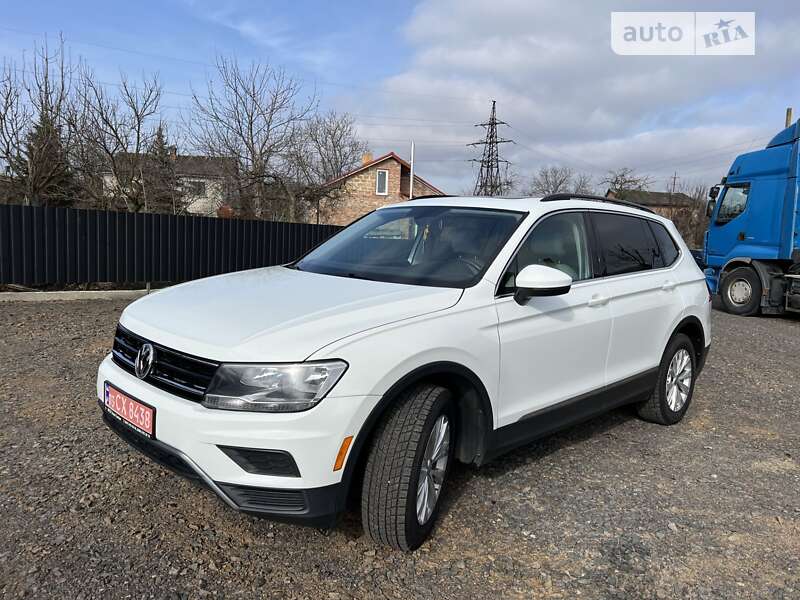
(614, 508)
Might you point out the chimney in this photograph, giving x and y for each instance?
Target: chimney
(366, 158)
(173, 152)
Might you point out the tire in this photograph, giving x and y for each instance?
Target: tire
(741, 292)
(394, 468)
(659, 408)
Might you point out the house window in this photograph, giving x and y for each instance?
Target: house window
(382, 182)
(196, 189)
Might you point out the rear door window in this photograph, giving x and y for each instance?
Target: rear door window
(626, 244)
(666, 244)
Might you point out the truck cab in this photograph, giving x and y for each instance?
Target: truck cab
(751, 252)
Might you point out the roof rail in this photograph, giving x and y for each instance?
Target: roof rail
(432, 196)
(554, 197)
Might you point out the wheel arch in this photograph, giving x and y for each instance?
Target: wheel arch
(733, 263)
(692, 327)
(769, 274)
(475, 416)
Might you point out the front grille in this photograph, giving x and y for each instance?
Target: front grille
(174, 372)
(265, 499)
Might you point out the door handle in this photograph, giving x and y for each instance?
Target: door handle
(668, 286)
(598, 300)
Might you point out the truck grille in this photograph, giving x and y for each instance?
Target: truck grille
(174, 372)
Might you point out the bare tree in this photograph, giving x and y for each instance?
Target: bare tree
(688, 211)
(326, 147)
(33, 136)
(16, 117)
(253, 115)
(116, 129)
(624, 180)
(555, 180)
(583, 183)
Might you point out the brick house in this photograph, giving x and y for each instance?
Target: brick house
(377, 182)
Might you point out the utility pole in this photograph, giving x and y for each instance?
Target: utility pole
(490, 182)
(411, 175)
(674, 181)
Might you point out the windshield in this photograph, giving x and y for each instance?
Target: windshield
(421, 245)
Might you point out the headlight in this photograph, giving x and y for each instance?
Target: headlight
(272, 388)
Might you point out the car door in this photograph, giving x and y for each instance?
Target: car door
(552, 349)
(645, 301)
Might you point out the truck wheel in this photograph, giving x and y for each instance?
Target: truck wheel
(673, 393)
(407, 468)
(741, 292)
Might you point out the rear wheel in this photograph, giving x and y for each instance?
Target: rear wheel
(407, 468)
(673, 392)
(741, 291)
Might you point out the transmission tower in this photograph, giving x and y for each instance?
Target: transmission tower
(490, 182)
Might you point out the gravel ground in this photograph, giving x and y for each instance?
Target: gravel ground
(614, 508)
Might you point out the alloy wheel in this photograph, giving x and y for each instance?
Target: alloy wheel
(679, 379)
(433, 469)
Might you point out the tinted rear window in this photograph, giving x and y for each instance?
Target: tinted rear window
(669, 250)
(626, 244)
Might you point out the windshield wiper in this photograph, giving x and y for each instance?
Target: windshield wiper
(356, 276)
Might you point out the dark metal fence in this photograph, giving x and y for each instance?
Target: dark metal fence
(66, 246)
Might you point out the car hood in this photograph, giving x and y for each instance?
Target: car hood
(274, 314)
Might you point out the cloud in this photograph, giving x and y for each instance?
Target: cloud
(570, 100)
(286, 43)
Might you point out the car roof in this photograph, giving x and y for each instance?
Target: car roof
(529, 204)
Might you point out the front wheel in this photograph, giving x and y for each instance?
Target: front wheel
(673, 392)
(407, 468)
(741, 292)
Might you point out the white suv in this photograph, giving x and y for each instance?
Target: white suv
(431, 331)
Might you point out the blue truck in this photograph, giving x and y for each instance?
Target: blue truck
(751, 251)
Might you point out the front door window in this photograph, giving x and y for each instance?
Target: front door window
(733, 203)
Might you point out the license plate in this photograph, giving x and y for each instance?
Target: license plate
(136, 415)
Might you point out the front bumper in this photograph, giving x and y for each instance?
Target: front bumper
(316, 506)
(189, 437)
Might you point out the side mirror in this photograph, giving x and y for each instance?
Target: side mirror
(713, 192)
(710, 206)
(539, 280)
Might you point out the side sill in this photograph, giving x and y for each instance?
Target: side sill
(554, 418)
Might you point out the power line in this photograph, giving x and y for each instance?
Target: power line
(684, 158)
(544, 153)
(316, 80)
(410, 119)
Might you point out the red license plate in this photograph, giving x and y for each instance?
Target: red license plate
(133, 413)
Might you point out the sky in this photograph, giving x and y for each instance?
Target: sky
(427, 71)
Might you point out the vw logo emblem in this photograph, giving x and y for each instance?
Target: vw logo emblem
(144, 360)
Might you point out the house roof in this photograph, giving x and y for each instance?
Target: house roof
(203, 167)
(660, 199)
(380, 159)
